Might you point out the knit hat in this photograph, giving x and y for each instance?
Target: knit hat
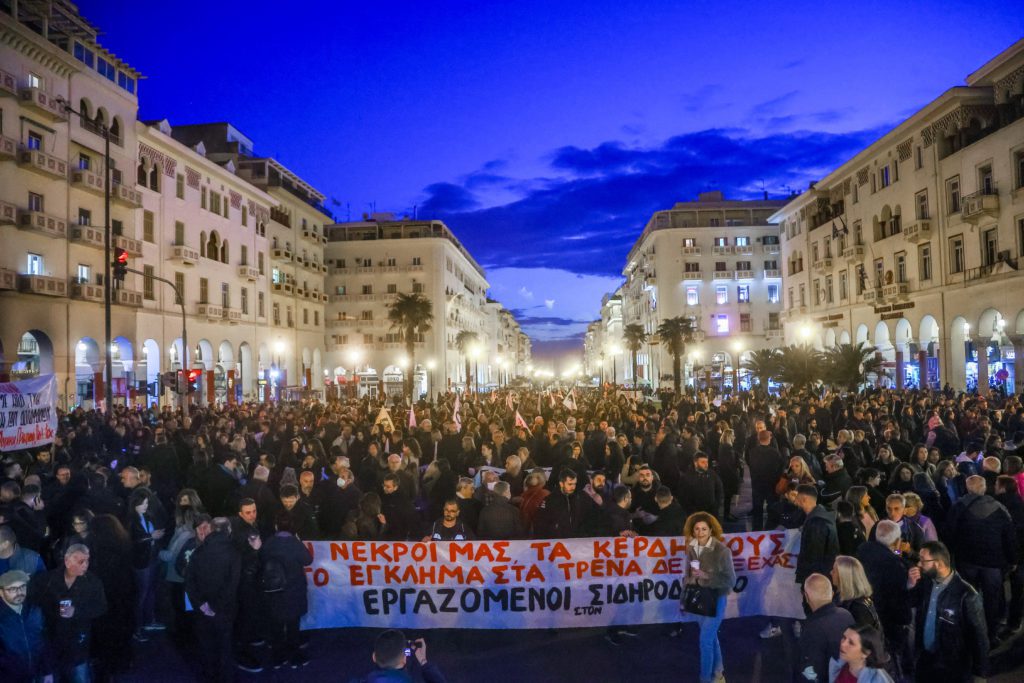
(8, 579)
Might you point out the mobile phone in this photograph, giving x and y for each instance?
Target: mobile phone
(410, 647)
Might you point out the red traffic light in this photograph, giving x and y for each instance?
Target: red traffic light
(193, 375)
(121, 255)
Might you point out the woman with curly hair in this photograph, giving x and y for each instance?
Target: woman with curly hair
(709, 565)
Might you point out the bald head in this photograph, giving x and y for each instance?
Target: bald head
(976, 484)
(818, 590)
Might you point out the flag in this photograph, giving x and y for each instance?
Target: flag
(551, 399)
(412, 419)
(508, 400)
(494, 395)
(384, 419)
(520, 422)
(570, 400)
(455, 414)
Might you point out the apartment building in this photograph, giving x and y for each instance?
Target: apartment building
(715, 261)
(914, 245)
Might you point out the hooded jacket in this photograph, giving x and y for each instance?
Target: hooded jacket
(819, 544)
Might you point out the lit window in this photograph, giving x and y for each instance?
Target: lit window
(743, 294)
(35, 264)
(692, 298)
(722, 324)
(722, 295)
(773, 294)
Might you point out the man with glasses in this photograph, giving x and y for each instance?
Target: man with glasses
(952, 639)
(22, 642)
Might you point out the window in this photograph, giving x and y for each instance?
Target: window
(84, 162)
(721, 323)
(989, 246)
(773, 294)
(125, 81)
(84, 217)
(416, 261)
(814, 252)
(245, 215)
(721, 295)
(202, 198)
(225, 295)
(367, 338)
(366, 315)
(689, 242)
(714, 222)
(956, 254)
(1020, 235)
(204, 290)
(924, 261)
(789, 294)
(84, 273)
(817, 292)
(1018, 169)
(35, 202)
(771, 264)
(986, 184)
(953, 195)
(116, 226)
(147, 283)
(391, 261)
(245, 255)
(392, 289)
(214, 202)
(35, 264)
(770, 239)
(856, 193)
(179, 186)
(743, 241)
(276, 313)
(895, 170)
(340, 289)
(773, 321)
(691, 267)
(918, 157)
(879, 272)
(745, 324)
(259, 262)
(316, 318)
(106, 69)
(34, 140)
(883, 176)
(275, 276)
(828, 289)
(179, 284)
(720, 266)
(901, 267)
(147, 226)
(743, 294)
(921, 202)
(34, 81)
(743, 265)
(721, 241)
(844, 285)
(245, 301)
(692, 297)
(803, 295)
(305, 316)
(84, 54)
(261, 309)
(367, 289)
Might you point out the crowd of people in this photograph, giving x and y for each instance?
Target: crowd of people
(146, 520)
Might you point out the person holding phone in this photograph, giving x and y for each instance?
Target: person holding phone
(399, 659)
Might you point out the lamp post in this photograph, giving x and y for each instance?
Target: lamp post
(737, 349)
(615, 351)
(354, 356)
(431, 365)
(474, 353)
(108, 358)
(279, 351)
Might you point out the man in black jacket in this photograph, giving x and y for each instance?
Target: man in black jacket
(560, 514)
(1008, 495)
(951, 637)
(393, 663)
(211, 582)
(500, 519)
(886, 569)
(823, 629)
(670, 517)
(397, 507)
(837, 480)
(766, 466)
(700, 489)
(984, 542)
(819, 540)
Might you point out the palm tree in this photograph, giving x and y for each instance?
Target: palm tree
(465, 340)
(800, 366)
(848, 365)
(676, 333)
(764, 364)
(635, 337)
(411, 315)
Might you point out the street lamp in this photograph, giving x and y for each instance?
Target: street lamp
(500, 362)
(107, 285)
(615, 351)
(737, 349)
(431, 365)
(278, 374)
(474, 353)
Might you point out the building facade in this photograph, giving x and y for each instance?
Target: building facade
(715, 261)
(369, 263)
(914, 246)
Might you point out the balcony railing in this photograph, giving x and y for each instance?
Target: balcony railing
(281, 254)
(771, 248)
(126, 297)
(44, 224)
(249, 273)
(8, 213)
(982, 204)
(43, 284)
(744, 250)
(86, 291)
(127, 196)
(691, 251)
(8, 148)
(744, 275)
(209, 311)
(280, 216)
(773, 273)
(895, 291)
(854, 253)
(85, 179)
(823, 264)
(87, 236)
(43, 103)
(8, 84)
(132, 246)
(8, 279)
(184, 255)
(692, 275)
(722, 250)
(918, 231)
(721, 275)
(231, 315)
(41, 162)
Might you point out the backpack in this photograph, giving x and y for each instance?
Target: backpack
(272, 577)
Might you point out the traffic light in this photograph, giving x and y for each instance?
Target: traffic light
(193, 380)
(120, 264)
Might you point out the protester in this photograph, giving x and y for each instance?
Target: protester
(24, 650)
(211, 582)
(283, 562)
(391, 653)
(862, 657)
(854, 591)
(823, 630)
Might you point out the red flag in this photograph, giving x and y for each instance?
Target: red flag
(520, 422)
(412, 419)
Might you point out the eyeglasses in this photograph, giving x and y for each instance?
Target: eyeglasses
(924, 561)
(16, 589)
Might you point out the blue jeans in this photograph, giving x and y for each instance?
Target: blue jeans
(145, 602)
(710, 650)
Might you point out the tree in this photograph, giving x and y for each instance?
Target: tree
(464, 341)
(848, 365)
(676, 333)
(411, 315)
(764, 364)
(800, 366)
(635, 337)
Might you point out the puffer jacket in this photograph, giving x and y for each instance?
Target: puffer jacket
(24, 653)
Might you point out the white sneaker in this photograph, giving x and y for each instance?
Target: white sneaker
(771, 631)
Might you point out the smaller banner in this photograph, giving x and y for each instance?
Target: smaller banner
(28, 413)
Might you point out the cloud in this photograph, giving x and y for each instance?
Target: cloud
(549, 304)
(773, 105)
(444, 198)
(525, 293)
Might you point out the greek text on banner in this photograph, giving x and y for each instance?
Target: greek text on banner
(28, 413)
(581, 582)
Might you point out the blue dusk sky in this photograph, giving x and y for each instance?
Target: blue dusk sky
(546, 133)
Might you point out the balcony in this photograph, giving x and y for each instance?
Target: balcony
(249, 273)
(8, 84)
(84, 291)
(721, 275)
(232, 316)
(43, 103)
(693, 276)
(44, 224)
(772, 274)
(744, 275)
(43, 284)
(921, 230)
(8, 148)
(872, 296)
(743, 250)
(722, 250)
(311, 236)
(823, 264)
(8, 213)
(87, 236)
(281, 254)
(895, 291)
(43, 163)
(126, 297)
(280, 216)
(132, 246)
(209, 311)
(186, 256)
(774, 332)
(283, 287)
(771, 249)
(983, 204)
(854, 253)
(691, 251)
(8, 279)
(125, 196)
(84, 179)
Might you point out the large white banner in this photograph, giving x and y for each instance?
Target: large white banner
(536, 584)
(28, 413)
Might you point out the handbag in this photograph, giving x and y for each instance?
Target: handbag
(700, 600)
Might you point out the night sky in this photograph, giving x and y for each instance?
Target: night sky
(546, 133)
